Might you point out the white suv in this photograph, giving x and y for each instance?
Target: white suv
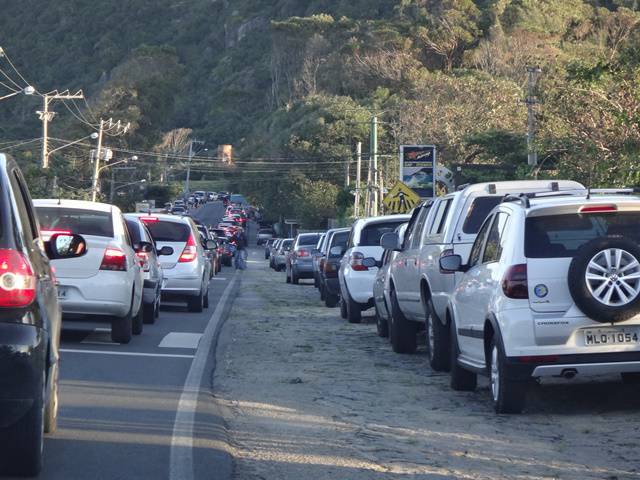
(418, 289)
(359, 264)
(551, 289)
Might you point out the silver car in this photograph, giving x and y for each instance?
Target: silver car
(280, 257)
(187, 269)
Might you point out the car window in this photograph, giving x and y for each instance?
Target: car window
(307, 240)
(370, 235)
(476, 250)
(416, 237)
(169, 231)
(410, 227)
(478, 210)
(29, 225)
(440, 217)
(339, 239)
(495, 239)
(134, 230)
(76, 220)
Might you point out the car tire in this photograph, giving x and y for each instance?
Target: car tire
(51, 408)
(205, 300)
(581, 290)
(382, 327)
(354, 312)
(286, 274)
(122, 327)
(294, 277)
(330, 300)
(508, 396)
(401, 332)
(149, 312)
(462, 380)
(196, 304)
(323, 293)
(630, 378)
(137, 324)
(438, 341)
(23, 442)
(343, 308)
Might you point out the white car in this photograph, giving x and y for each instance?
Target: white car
(551, 289)
(107, 281)
(358, 266)
(187, 269)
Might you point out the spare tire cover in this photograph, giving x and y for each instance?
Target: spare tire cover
(604, 279)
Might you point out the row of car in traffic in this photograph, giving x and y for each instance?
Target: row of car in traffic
(519, 281)
(82, 260)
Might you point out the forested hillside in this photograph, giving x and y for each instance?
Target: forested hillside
(292, 84)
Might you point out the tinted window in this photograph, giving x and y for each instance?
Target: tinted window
(416, 235)
(479, 210)
(474, 257)
(308, 239)
(339, 239)
(495, 239)
(370, 235)
(134, 230)
(286, 244)
(559, 236)
(169, 231)
(76, 220)
(440, 217)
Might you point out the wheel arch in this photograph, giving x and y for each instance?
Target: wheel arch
(491, 329)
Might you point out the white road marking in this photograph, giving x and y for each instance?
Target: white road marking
(180, 340)
(124, 354)
(219, 278)
(181, 457)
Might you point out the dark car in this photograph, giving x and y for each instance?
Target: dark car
(334, 248)
(29, 325)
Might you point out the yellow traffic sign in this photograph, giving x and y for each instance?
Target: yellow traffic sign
(400, 199)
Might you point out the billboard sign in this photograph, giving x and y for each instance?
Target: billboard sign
(417, 168)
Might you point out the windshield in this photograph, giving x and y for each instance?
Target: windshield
(370, 235)
(560, 236)
(75, 220)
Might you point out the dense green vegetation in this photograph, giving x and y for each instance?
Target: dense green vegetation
(292, 84)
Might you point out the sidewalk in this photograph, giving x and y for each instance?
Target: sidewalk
(309, 396)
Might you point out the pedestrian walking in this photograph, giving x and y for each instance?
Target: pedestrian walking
(240, 240)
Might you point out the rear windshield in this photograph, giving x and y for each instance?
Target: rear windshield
(370, 235)
(268, 231)
(478, 212)
(286, 243)
(75, 220)
(169, 231)
(308, 239)
(560, 236)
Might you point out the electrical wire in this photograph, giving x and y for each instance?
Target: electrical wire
(26, 83)
(17, 87)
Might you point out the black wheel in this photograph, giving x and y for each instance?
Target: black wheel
(205, 300)
(354, 312)
(508, 396)
(149, 312)
(138, 322)
(156, 312)
(343, 308)
(381, 325)
(195, 304)
(604, 279)
(630, 378)
(122, 327)
(438, 342)
(401, 332)
(294, 277)
(286, 274)
(331, 300)
(23, 442)
(322, 292)
(51, 407)
(461, 379)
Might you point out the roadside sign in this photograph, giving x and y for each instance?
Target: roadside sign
(400, 199)
(417, 168)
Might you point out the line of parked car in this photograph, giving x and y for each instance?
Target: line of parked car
(518, 281)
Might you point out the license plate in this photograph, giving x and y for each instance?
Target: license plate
(611, 336)
(62, 292)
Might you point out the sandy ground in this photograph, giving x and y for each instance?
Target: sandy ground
(309, 396)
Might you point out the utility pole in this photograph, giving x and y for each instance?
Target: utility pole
(356, 206)
(191, 155)
(46, 116)
(532, 155)
(105, 127)
(347, 179)
(373, 162)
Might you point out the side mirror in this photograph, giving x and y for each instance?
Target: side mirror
(143, 247)
(369, 262)
(211, 245)
(166, 250)
(337, 251)
(451, 264)
(62, 245)
(390, 241)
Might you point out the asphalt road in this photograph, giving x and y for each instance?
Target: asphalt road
(130, 411)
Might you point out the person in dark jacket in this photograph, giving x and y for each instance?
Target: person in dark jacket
(240, 240)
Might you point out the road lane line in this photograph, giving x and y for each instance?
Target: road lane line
(124, 354)
(181, 457)
(181, 340)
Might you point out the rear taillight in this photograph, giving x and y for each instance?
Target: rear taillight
(446, 253)
(50, 233)
(514, 283)
(190, 252)
(303, 252)
(114, 259)
(143, 259)
(17, 281)
(150, 219)
(330, 270)
(355, 260)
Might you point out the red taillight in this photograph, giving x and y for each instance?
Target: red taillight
(149, 219)
(446, 253)
(355, 260)
(598, 209)
(303, 252)
(190, 252)
(50, 233)
(514, 283)
(330, 270)
(17, 281)
(114, 259)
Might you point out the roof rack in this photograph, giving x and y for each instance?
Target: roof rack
(525, 198)
(616, 191)
(521, 198)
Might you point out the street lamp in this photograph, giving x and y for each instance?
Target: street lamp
(113, 173)
(93, 136)
(28, 90)
(144, 180)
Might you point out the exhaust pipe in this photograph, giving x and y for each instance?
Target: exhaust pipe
(569, 373)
